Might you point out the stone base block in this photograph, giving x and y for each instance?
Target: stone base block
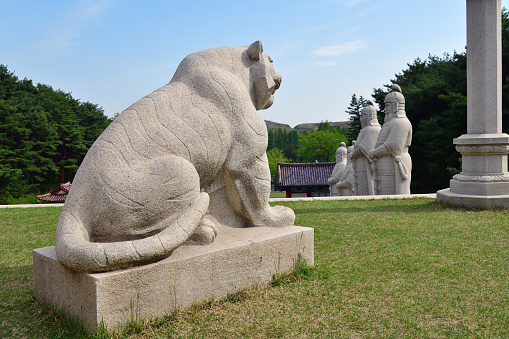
(239, 258)
(479, 188)
(473, 201)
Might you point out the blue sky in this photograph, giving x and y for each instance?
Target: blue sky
(113, 52)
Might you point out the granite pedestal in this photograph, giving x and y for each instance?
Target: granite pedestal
(239, 258)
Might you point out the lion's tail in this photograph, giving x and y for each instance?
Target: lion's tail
(77, 253)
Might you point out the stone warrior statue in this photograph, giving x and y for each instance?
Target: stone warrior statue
(392, 163)
(366, 140)
(346, 183)
(337, 172)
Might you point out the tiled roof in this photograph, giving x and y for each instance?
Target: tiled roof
(304, 174)
(57, 195)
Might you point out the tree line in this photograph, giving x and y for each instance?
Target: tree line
(306, 146)
(44, 135)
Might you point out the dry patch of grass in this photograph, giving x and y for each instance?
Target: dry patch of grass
(383, 268)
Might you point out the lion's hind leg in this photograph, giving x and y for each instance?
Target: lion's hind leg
(143, 198)
(166, 207)
(183, 189)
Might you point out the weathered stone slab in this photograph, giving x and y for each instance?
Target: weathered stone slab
(239, 258)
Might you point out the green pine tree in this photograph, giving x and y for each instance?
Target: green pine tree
(354, 111)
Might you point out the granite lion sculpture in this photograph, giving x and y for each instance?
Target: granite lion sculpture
(138, 194)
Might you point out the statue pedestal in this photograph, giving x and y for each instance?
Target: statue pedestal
(239, 258)
(484, 181)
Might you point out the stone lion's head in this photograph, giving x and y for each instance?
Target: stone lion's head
(265, 79)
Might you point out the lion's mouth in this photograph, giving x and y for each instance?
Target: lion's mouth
(265, 92)
(270, 101)
(273, 89)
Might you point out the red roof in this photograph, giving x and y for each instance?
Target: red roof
(304, 174)
(57, 195)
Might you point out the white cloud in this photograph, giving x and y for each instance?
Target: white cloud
(327, 64)
(70, 26)
(337, 50)
(89, 9)
(351, 2)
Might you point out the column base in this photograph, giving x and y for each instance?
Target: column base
(484, 180)
(486, 188)
(473, 201)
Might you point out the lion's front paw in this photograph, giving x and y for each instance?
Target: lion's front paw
(205, 233)
(279, 216)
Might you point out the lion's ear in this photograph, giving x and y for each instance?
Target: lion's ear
(255, 50)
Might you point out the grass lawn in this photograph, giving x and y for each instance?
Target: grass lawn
(278, 194)
(383, 268)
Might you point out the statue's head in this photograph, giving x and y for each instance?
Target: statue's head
(220, 66)
(368, 113)
(266, 80)
(350, 149)
(394, 102)
(341, 152)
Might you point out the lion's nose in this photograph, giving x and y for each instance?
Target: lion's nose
(277, 79)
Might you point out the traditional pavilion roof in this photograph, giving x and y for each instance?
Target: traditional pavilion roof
(304, 174)
(57, 195)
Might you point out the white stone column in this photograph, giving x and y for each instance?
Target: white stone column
(484, 180)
